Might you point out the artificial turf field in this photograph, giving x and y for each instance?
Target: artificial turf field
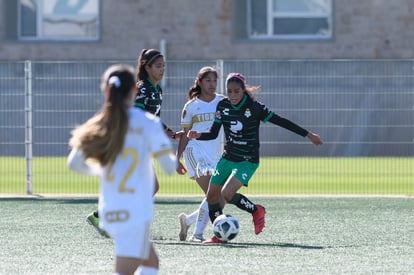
(324, 216)
(303, 235)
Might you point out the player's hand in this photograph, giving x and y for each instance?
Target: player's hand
(181, 169)
(179, 134)
(314, 138)
(193, 134)
(170, 133)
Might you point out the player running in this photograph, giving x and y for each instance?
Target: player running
(118, 144)
(150, 71)
(240, 115)
(200, 156)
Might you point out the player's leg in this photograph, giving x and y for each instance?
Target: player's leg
(93, 219)
(185, 222)
(195, 161)
(126, 265)
(149, 266)
(215, 208)
(240, 177)
(133, 248)
(202, 215)
(214, 196)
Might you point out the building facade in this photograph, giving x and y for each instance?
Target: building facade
(200, 30)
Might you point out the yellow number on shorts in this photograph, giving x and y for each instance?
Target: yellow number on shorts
(134, 161)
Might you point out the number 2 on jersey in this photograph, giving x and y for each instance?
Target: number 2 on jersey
(110, 178)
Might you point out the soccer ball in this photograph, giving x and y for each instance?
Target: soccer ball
(226, 227)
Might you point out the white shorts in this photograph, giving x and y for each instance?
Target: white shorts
(198, 162)
(133, 243)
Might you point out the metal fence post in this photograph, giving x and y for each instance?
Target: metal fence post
(28, 124)
(220, 70)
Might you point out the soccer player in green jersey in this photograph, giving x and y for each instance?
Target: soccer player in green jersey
(240, 115)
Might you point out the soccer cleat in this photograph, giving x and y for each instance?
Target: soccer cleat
(259, 218)
(214, 240)
(196, 239)
(183, 227)
(94, 221)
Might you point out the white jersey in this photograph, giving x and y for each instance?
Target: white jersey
(201, 156)
(127, 186)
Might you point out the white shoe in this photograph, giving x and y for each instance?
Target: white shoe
(196, 239)
(183, 227)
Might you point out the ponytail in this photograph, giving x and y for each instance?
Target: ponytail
(102, 136)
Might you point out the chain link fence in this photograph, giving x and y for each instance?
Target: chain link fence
(361, 108)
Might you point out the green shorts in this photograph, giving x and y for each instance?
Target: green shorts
(243, 171)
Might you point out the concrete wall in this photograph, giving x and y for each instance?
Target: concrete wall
(204, 30)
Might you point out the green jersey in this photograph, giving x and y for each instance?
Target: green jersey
(241, 125)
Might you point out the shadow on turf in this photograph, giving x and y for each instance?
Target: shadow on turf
(246, 245)
(54, 200)
(177, 202)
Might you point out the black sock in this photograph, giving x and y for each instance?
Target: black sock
(214, 210)
(96, 214)
(243, 203)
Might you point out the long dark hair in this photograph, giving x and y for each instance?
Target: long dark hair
(241, 80)
(195, 90)
(146, 57)
(102, 136)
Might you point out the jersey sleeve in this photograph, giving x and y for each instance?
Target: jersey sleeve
(158, 140)
(215, 128)
(186, 117)
(264, 114)
(140, 99)
(77, 162)
(289, 125)
(161, 147)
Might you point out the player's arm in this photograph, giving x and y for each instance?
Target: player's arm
(171, 133)
(182, 144)
(212, 134)
(289, 125)
(140, 98)
(78, 163)
(167, 160)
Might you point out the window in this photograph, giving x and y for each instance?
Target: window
(58, 19)
(289, 19)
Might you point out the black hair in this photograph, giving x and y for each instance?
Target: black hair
(195, 90)
(146, 57)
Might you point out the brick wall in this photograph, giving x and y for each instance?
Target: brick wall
(366, 29)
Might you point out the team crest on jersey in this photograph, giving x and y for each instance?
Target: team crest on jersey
(247, 113)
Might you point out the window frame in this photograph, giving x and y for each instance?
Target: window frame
(39, 29)
(271, 15)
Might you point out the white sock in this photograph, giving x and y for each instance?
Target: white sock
(146, 270)
(202, 219)
(190, 219)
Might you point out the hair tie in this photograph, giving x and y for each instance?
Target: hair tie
(236, 75)
(114, 80)
(155, 56)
